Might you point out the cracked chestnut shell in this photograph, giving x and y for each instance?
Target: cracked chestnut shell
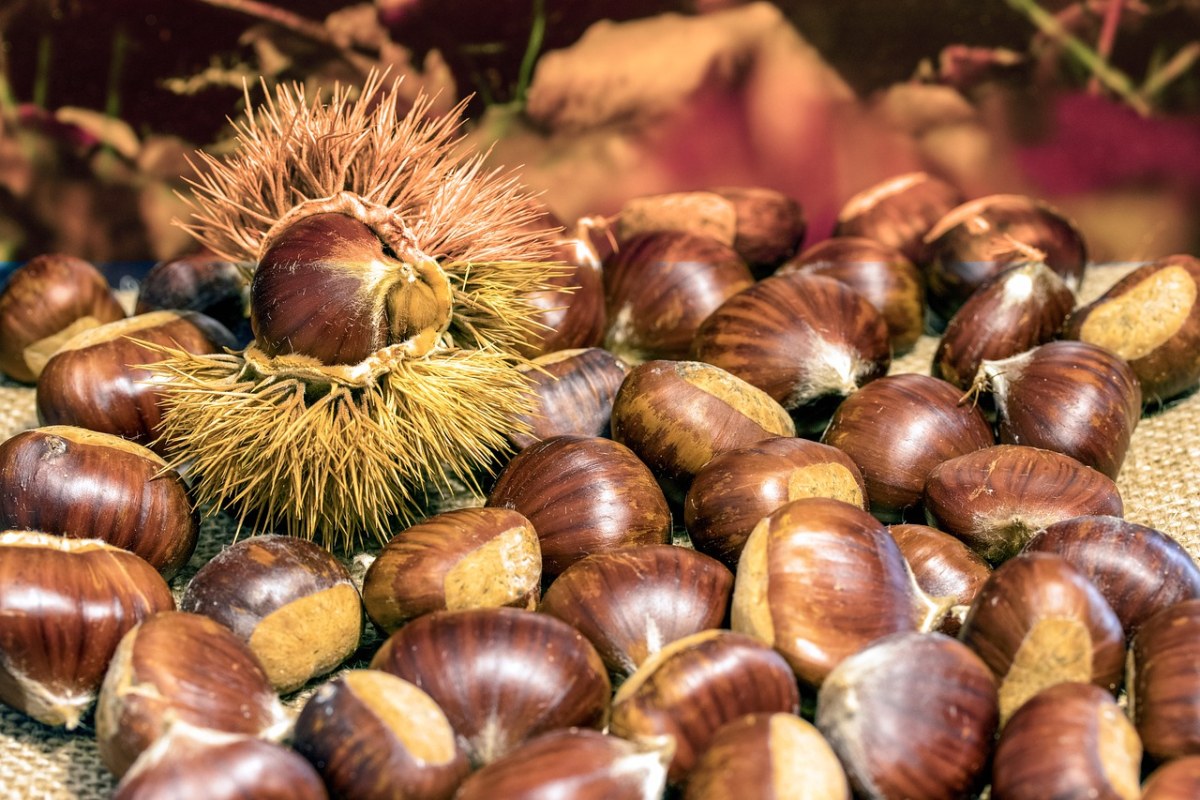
(943, 567)
(1163, 685)
(899, 211)
(572, 393)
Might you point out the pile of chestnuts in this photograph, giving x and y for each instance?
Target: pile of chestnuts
(726, 555)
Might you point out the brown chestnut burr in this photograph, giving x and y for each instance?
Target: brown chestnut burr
(897, 429)
(1070, 740)
(819, 580)
(631, 603)
(501, 675)
(771, 756)
(96, 381)
(660, 286)
(75, 482)
(1176, 780)
(203, 282)
(583, 495)
(882, 275)
(176, 666)
(64, 606)
(572, 392)
(1163, 685)
(983, 237)
(677, 415)
(995, 499)
(769, 229)
(374, 736)
(1139, 570)
(571, 313)
(943, 567)
(685, 692)
(899, 211)
(1150, 318)
(292, 602)
(466, 558)
(48, 300)
(1038, 621)
(731, 493)
(575, 763)
(913, 715)
(1013, 311)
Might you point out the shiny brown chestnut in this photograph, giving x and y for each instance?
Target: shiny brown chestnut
(176, 666)
(689, 689)
(1018, 309)
(199, 281)
(1139, 570)
(466, 558)
(996, 498)
(1070, 740)
(769, 228)
(583, 495)
(913, 715)
(698, 213)
(75, 482)
(677, 415)
(501, 675)
(897, 429)
(1038, 621)
(633, 602)
(735, 490)
(374, 736)
(768, 755)
(1150, 318)
(899, 211)
(66, 603)
(943, 567)
(819, 580)
(576, 763)
(292, 602)
(572, 392)
(571, 313)
(1163, 686)
(1176, 780)
(48, 300)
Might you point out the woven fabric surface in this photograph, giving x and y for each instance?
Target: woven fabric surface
(1159, 482)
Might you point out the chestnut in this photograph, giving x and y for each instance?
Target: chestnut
(572, 391)
(582, 495)
(291, 601)
(1070, 740)
(700, 213)
(466, 558)
(374, 736)
(571, 312)
(1163, 685)
(1038, 621)
(943, 567)
(633, 602)
(66, 603)
(912, 715)
(75, 482)
(200, 281)
(769, 226)
(501, 675)
(731, 493)
(48, 300)
(1176, 780)
(899, 211)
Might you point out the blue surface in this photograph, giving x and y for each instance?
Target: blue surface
(114, 271)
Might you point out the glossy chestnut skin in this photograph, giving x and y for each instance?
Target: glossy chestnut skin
(913, 715)
(515, 674)
(769, 227)
(374, 736)
(75, 482)
(1176, 780)
(1151, 319)
(633, 602)
(995, 499)
(577, 763)
(690, 688)
(1162, 684)
(1070, 740)
(1018, 309)
(1038, 621)
(291, 601)
(943, 567)
(583, 495)
(677, 415)
(731, 493)
(466, 558)
(66, 603)
(203, 282)
(1139, 570)
(571, 314)
(572, 392)
(897, 429)
(46, 301)
(899, 211)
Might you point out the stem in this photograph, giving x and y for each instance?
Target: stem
(537, 34)
(1176, 66)
(112, 99)
(41, 82)
(1108, 37)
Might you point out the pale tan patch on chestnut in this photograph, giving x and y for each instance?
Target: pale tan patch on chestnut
(700, 213)
(800, 757)
(309, 636)
(750, 611)
(868, 198)
(751, 401)
(824, 480)
(36, 354)
(90, 438)
(504, 570)
(411, 715)
(130, 326)
(1120, 751)
(1144, 318)
(53, 542)
(1056, 650)
(651, 665)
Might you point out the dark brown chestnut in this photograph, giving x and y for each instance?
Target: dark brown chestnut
(571, 313)
(731, 493)
(943, 567)
(769, 226)
(501, 675)
(633, 602)
(899, 211)
(913, 715)
(66, 603)
(200, 281)
(75, 482)
(466, 558)
(1163, 685)
(48, 300)
(583, 495)
(573, 393)
(1176, 780)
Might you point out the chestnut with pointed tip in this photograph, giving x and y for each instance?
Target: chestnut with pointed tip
(899, 211)
(943, 567)
(572, 393)
(1163, 685)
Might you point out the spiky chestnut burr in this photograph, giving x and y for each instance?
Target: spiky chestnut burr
(389, 300)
